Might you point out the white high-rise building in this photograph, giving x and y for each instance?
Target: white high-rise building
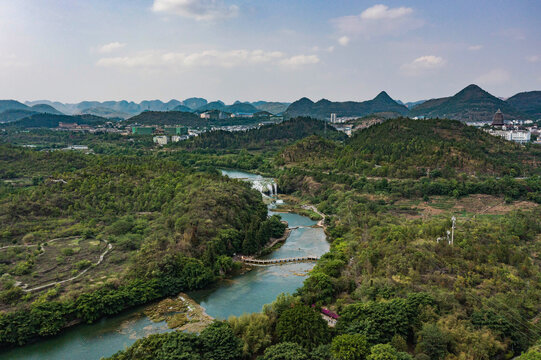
(333, 118)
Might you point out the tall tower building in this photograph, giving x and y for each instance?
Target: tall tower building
(333, 118)
(497, 120)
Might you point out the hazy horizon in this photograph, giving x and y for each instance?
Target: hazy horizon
(230, 50)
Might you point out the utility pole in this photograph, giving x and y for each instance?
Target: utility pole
(453, 219)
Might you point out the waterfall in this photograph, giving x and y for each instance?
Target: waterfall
(264, 186)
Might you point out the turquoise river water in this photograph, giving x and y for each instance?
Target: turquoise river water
(241, 294)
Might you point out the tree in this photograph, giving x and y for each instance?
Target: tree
(283, 302)
(219, 342)
(382, 352)
(322, 352)
(318, 287)
(179, 346)
(255, 330)
(387, 352)
(303, 326)
(285, 351)
(432, 341)
(349, 347)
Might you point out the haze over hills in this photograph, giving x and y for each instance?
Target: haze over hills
(125, 109)
(410, 104)
(11, 110)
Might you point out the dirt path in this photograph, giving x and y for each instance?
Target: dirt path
(314, 209)
(102, 256)
(42, 247)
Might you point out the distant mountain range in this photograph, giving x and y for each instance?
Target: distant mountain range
(124, 109)
(11, 110)
(323, 108)
(411, 104)
(470, 104)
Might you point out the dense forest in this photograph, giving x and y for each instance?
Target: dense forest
(179, 225)
(406, 148)
(46, 120)
(188, 119)
(267, 137)
(401, 288)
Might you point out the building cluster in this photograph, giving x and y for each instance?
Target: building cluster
(517, 131)
(334, 119)
(108, 127)
(163, 135)
(221, 115)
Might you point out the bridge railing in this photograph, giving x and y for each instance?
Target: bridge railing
(278, 261)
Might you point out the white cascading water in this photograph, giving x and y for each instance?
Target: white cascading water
(262, 187)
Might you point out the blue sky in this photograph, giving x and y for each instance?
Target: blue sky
(274, 50)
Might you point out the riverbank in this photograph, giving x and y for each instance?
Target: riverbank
(233, 295)
(181, 313)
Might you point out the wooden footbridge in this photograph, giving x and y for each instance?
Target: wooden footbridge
(252, 261)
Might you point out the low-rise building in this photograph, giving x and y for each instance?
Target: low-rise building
(177, 138)
(177, 130)
(215, 115)
(519, 136)
(242, 115)
(142, 130)
(160, 140)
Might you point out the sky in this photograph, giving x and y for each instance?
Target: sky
(274, 50)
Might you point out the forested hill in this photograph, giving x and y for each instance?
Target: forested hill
(172, 228)
(168, 118)
(265, 137)
(528, 102)
(470, 103)
(52, 120)
(409, 148)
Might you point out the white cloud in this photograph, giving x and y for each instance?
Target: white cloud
(378, 20)
(513, 33)
(475, 47)
(207, 58)
(378, 12)
(533, 58)
(423, 64)
(12, 61)
(329, 49)
(344, 40)
(299, 60)
(201, 10)
(107, 48)
(493, 77)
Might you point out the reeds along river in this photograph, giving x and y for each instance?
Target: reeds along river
(242, 294)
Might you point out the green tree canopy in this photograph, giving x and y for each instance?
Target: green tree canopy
(285, 351)
(302, 325)
(349, 347)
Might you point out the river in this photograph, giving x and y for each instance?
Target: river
(245, 293)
